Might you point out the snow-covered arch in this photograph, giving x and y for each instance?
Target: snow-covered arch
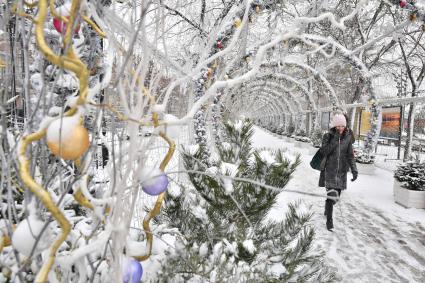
(273, 113)
(278, 96)
(280, 99)
(268, 102)
(275, 97)
(290, 61)
(277, 87)
(279, 77)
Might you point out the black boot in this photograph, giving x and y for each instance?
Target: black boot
(328, 213)
(329, 224)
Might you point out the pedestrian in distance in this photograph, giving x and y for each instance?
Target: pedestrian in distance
(337, 150)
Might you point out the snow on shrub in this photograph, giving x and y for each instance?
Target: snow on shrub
(412, 175)
(363, 158)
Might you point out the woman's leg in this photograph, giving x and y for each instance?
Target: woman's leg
(333, 193)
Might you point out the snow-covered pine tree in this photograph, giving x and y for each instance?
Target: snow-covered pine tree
(224, 234)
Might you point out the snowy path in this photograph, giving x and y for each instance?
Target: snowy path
(375, 240)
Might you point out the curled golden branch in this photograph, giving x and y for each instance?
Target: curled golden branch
(46, 200)
(94, 26)
(157, 207)
(71, 63)
(82, 200)
(78, 195)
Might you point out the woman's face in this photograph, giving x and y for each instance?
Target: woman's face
(340, 129)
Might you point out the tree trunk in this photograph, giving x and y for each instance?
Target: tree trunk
(371, 139)
(410, 126)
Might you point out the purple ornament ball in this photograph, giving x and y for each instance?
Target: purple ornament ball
(132, 271)
(154, 182)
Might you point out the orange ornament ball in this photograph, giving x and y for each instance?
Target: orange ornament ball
(67, 139)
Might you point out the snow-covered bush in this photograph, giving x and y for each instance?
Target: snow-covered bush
(362, 157)
(316, 137)
(302, 136)
(280, 129)
(412, 175)
(302, 139)
(301, 133)
(291, 130)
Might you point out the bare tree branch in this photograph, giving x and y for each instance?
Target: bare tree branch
(177, 13)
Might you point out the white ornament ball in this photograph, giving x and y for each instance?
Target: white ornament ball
(26, 234)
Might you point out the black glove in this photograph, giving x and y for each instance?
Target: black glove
(355, 174)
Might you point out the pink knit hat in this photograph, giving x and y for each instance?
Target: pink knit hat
(338, 120)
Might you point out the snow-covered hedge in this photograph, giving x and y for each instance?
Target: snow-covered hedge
(291, 130)
(412, 175)
(301, 133)
(363, 158)
(302, 139)
(316, 137)
(281, 129)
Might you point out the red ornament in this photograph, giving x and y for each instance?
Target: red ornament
(403, 3)
(219, 45)
(60, 26)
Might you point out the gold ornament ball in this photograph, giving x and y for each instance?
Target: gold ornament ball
(72, 144)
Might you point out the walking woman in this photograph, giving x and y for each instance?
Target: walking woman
(338, 155)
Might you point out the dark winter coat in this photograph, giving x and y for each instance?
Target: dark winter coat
(338, 151)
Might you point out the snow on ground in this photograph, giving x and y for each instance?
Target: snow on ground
(375, 239)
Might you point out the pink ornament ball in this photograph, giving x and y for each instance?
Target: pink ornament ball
(61, 26)
(156, 184)
(132, 270)
(403, 3)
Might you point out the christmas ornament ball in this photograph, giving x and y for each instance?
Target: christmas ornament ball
(132, 270)
(25, 236)
(68, 140)
(60, 26)
(154, 181)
